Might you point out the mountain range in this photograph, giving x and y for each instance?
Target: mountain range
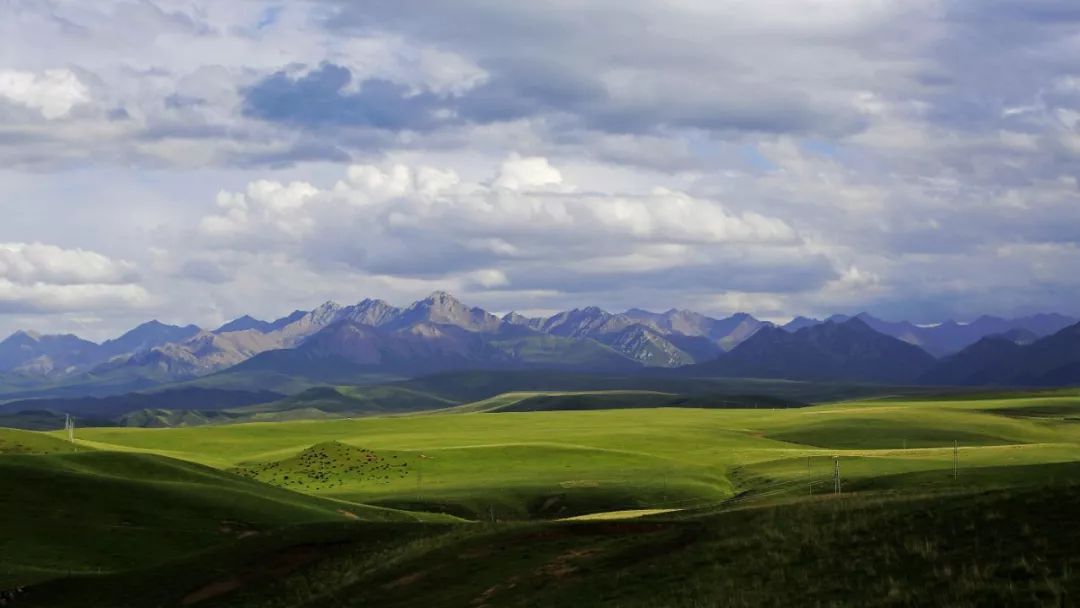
(333, 343)
(999, 360)
(951, 337)
(848, 351)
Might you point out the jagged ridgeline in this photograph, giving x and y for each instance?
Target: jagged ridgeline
(375, 342)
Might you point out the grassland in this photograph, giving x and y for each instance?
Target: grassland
(14, 441)
(555, 464)
(98, 511)
(1014, 547)
(738, 504)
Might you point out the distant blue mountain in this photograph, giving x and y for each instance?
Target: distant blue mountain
(950, 337)
(998, 360)
(848, 351)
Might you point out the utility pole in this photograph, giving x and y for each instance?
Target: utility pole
(836, 475)
(809, 477)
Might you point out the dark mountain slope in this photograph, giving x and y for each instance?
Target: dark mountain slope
(840, 352)
(144, 337)
(245, 323)
(30, 352)
(984, 363)
(951, 337)
(109, 407)
(998, 361)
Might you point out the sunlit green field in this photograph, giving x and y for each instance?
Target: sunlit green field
(630, 507)
(553, 464)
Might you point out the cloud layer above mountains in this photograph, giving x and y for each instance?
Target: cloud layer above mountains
(194, 160)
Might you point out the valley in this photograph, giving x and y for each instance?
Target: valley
(437, 454)
(572, 304)
(506, 487)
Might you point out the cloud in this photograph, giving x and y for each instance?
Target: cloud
(131, 99)
(30, 263)
(44, 278)
(519, 173)
(800, 155)
(53, 93)
(320, 98)
(524, 228)
(45, 298)
(205, 270)
(717, 67)
(527, 206)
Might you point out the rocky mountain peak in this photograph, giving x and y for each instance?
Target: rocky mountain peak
(514, 318)
(444, 309)
(372, 312)
(440, 296)
(243, 323)
(325, 312)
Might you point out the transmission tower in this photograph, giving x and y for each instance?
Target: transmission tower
(69, 428)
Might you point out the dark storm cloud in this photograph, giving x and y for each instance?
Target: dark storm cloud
(725, 273)
(319, 99)
(1057, 13)
(927, 150)
(628, 70)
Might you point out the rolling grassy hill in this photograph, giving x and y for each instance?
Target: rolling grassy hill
(607, 400)
(15, 441)
(743, 496)
(1003, 547)
(560, 463)
(188, 404)
(97, 511)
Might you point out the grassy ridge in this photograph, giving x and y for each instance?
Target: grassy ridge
(555, 464)
(606, 400)
(747, 532)
(963, 548)
(14, 441)
(105, 511)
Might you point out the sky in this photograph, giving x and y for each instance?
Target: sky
(192, 160)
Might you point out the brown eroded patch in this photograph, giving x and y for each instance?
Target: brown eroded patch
(404, 581)
(491, 592)
(280, 564)
(215, 589)
(566, 564)
(234, 528)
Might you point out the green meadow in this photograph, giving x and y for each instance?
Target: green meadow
(380, 506)
(551, 464)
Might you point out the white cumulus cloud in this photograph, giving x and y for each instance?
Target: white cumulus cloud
(30, 263)
(46, 298)
(519, 173)
(40, 278)
(506, 218)
(53, 92)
